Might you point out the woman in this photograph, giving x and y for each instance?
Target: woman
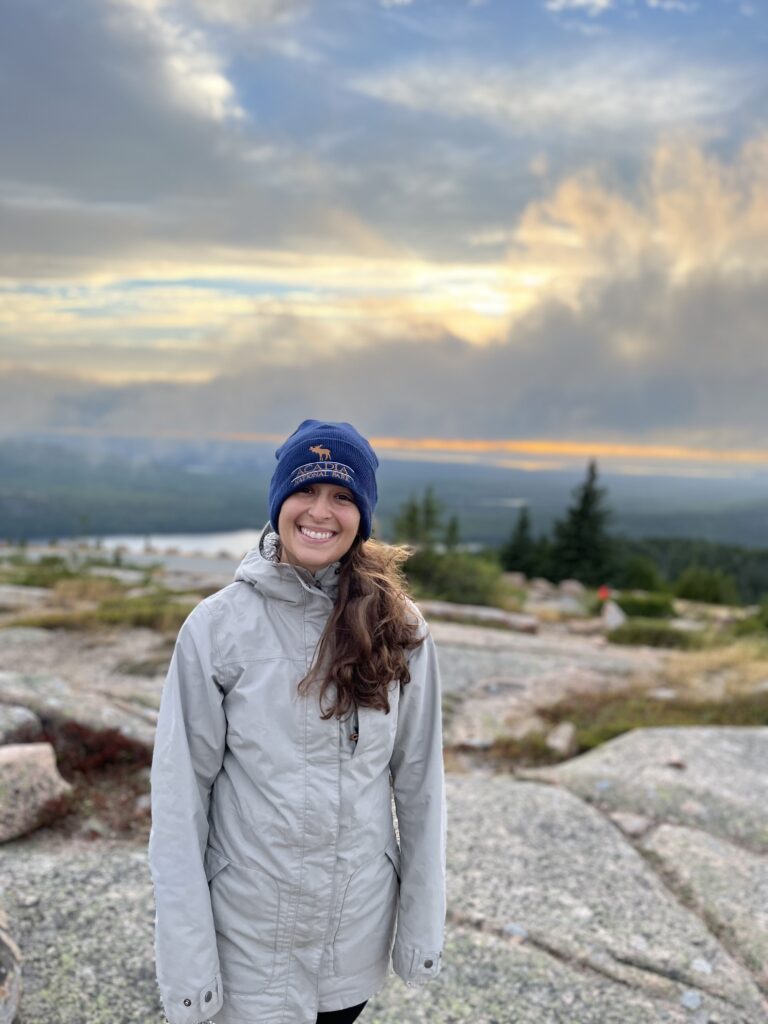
(299, 700)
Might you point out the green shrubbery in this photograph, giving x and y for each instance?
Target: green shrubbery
(46, 572)
(655, 633)
(755, 625)
(698, 583)
(647, 606)
(157, 610)
(599, 718)
(455, 576)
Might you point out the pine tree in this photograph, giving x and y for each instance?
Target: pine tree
(431, 514)
(582, 549)
(419, 521)
(518, 554)
(408, 525)
(451, 539)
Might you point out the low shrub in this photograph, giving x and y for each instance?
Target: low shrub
(654, 633)
(754, 625)
(455, 576)
(152, 611)
(46, 572)
(698, 583)
(79, 619)
(647, 606)
(638, 572)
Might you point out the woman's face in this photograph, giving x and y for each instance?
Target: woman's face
(317, 525)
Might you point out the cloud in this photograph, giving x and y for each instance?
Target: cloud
(645, 318)
(594, 8)
(643, 358)
(188, 72)
(692, 214)
(244, 13)
(591, 7)
(612, 91)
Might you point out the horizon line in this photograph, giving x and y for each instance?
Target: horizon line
(533, 446)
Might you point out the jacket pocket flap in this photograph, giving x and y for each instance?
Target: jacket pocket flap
(214, 862)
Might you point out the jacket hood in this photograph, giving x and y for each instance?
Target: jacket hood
(262, 568)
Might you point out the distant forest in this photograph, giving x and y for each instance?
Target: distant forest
(50, 491)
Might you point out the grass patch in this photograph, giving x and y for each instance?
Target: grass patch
(47, 572)
(527, 752)
(598, 719)
(84, 618)
(87, 588)
(656, 633)
(159, 610)
(719, 673)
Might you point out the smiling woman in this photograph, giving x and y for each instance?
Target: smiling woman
(299, 699)
(317, 525)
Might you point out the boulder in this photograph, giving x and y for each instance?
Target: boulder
(15, 598)
(32, 792)
(612, 616)
(708, 777)
(562, 739)
(18, 724)
(573, 588)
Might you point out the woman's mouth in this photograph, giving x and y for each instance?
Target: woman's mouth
(317, 536)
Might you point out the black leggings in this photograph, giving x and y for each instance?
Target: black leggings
(341, 1016)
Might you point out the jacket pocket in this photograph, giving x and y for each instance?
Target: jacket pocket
(368, 912)
(246, 908)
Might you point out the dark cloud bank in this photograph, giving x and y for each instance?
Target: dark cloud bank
(693, 372)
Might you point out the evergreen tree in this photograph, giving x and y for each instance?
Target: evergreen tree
(419, 520)
(518, 554)
(431, 514)
(542, 558)
(408, 525)
(451, 539)
(582, 549)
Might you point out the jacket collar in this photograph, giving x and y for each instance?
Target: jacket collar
(262, 568)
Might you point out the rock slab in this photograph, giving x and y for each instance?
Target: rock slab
(31, 790)
(535, 863)
(711, 778)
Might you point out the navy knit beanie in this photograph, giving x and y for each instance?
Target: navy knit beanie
(318, 452)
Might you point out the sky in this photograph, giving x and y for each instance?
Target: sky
(464, 219)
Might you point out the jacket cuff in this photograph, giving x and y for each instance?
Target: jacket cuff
(416, 966)
(185, 1005)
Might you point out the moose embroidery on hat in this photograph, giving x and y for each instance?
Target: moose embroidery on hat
(322, 453)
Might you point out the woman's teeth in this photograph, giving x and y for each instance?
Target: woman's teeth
(316, 534)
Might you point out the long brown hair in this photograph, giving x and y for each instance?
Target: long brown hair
(364, 645)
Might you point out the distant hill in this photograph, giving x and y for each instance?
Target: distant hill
(57, 487)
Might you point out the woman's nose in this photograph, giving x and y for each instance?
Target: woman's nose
(320, 507)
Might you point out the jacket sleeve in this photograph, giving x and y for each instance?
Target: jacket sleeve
(419, 791)
(189, 748)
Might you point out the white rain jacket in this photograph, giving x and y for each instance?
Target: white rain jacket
(277, 873)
